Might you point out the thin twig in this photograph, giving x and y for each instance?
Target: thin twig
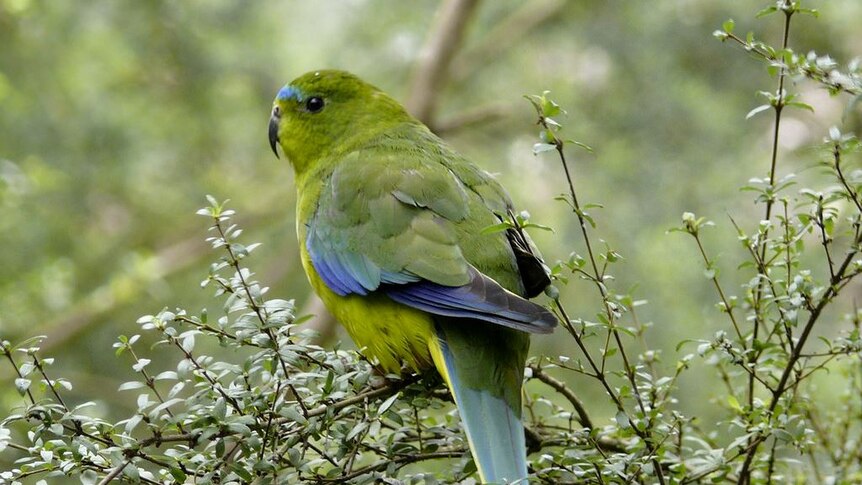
(400, 461)
(744, 475)
(559, 386)
(727, 307)
(815, 74)
(115, 472)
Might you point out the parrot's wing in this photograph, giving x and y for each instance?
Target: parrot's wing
(388, 223)
(482, 298)
(534, 274)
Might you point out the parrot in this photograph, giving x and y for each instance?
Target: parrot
(391, 223)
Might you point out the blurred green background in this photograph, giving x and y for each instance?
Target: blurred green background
(116, 118)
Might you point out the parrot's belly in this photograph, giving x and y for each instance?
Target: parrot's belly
(387, 331)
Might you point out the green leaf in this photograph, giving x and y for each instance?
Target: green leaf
(89, 477)
(290, 412)
(759, 109)
(22, 385)
(734, 404)
(493, 229)
(140, 364)
(623, 420)
(356, 431)
(219, 411)
(131, 471)
(244, 474)
(543, 147)
(581, 145)
(388, 403)
(131, 385)
(533, 225)
(801, 105)
(549, 107)
(180, 477)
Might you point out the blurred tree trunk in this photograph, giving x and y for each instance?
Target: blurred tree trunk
(444, 40)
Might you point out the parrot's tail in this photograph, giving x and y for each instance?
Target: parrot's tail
(494, 428)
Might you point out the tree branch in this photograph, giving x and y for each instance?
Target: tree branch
(507, 33)
(443, 41)
(559, 386)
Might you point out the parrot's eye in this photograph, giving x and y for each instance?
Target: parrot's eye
(314, 104)
(276, 112)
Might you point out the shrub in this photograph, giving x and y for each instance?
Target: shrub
(251, 398)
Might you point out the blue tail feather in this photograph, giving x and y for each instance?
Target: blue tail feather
(494, 429)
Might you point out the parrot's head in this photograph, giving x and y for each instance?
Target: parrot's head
(322, 112)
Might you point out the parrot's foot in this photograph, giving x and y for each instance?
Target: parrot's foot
(381, 378)
(533, 439)
(378, 381)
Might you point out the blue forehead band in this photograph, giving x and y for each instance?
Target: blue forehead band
(289, 92)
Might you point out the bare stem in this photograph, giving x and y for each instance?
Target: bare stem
(115, 472)
(559, 386)
(724, 301)
(745, 476)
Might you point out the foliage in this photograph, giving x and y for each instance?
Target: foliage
(284, 408)
(251, 398)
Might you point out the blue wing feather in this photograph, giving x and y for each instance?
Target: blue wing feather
(460, 301)
(344, 273)
(401, 278)
(347, 272)
(330, 276)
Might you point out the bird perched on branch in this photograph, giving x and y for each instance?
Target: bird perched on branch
(392, 228)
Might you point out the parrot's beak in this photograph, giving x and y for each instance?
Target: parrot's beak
(273, 133)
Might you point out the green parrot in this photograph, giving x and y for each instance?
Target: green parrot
(390, 223)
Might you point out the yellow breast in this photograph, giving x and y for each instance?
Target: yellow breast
(389, 332)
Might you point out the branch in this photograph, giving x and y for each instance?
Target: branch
(401, 460)
(473, 116)
(559, 386)
(443, 41)
(115, 472)
(744, 474)
(388, 389)
(506, 34)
